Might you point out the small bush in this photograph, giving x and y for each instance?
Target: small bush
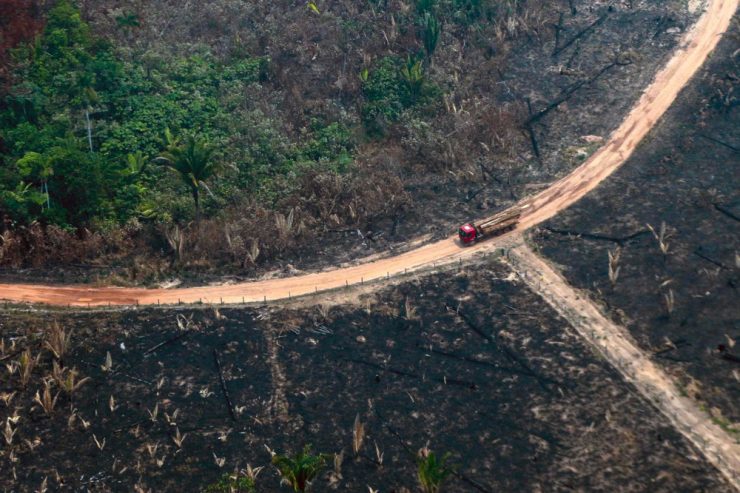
(232, 483)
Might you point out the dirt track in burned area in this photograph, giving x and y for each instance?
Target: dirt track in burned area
(486, 371)
(686, 176)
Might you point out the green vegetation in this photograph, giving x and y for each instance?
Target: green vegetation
(81, 123)
(193, 161)
(300, 470)
(390, 88)
(233, 483)
(432, 471)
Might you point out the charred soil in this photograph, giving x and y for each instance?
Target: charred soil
(670, 215)
(468, 362)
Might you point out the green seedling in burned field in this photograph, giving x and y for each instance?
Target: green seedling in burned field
(299, 471)
(26, 365)
(66, 379)
(432, 471)
(244, 481)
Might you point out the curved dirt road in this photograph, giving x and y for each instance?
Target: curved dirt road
(696, 45)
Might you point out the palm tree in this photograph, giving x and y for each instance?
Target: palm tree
(300, 470)
(193, 160)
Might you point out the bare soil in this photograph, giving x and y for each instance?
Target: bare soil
(684, 175)
(469, 362)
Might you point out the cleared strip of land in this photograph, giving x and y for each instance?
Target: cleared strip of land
(698, 43)
(615, 344)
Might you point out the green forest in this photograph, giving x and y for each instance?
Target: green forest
(94, 139)
(99, 140)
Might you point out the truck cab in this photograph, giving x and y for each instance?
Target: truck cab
(467, 233)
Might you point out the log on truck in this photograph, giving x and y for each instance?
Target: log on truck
(495, 225)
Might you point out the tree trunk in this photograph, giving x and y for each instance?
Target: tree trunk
(196, 197)
(89, 128)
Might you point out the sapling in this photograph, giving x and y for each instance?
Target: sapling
(67, 379)
(432, 471)
(26, 364)
(58, 341)
(45, 400)
(300, 470)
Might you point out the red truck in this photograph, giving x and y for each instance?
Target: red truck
(495, 225)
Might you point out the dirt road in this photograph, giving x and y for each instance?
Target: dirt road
(615, 343)
(696, 45)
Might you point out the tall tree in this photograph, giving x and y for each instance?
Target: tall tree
(193, 161)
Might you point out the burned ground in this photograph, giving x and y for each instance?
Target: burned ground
(680, 305)
(468, 362)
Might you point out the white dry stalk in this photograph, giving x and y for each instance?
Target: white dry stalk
(154, 412)
(254, 252)
(730, 341)
(108, 363)
(9, 433)
(358, 435)
(112, 404)
(178, 438)
(670, 301)
(7, 397)
(253, 472)
(45, 400)
(378, 454)
(220, 461)
(176, 239)
(43, 488)
(171, 420)
(410, 310)
(152, 449)
(284, 224)
(338, 459)
(98, 443)
(614, 267)
(58, 341)
(661, 237)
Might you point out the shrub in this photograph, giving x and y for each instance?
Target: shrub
(300, 470)
(232, 483)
